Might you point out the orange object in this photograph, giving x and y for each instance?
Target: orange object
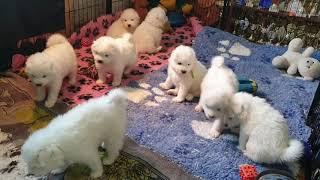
(141, 6)
(248, 172)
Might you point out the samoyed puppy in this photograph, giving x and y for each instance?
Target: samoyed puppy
(48, 68)
(217, 89)
(114, 55)
(147, 36)
(75, 136)
(127, 23)
(264, 134)
(185, 74)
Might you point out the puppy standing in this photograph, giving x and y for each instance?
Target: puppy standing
(217, 89)
(47, 69)
(147, 37)
(264, 133)
(185, 73)
(116, 56)
(75, 136)
(127, 23)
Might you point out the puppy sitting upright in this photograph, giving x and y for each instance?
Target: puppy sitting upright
(185, 73)
(217, 89)
(47, 69)
(127, 23)
(147, 37)
(117, 56)
(75, 136)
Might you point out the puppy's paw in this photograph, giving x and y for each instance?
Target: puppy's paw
(178, 99)
(164, 86)
(115, 83)
(99, 81)
(57, 171)
(72, 81)
(39, 98)
(107, 161)
(189, 97)
(198, 108)
(214, 134)
(159, 48)
(172, 92)
(49, 103)
(96, 174)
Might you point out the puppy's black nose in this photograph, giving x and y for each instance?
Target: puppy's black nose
(99, 61)
(226, 125)
(38, 84)
(129, 25)
(183, 72)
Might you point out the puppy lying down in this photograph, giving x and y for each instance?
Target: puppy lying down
(75, 136)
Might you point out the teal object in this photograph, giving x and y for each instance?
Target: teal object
(153, 3)
(176, 19)
(247, 85)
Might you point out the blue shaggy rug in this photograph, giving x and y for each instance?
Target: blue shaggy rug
(179, 133)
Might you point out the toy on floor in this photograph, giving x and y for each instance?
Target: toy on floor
(296, 62)
(141, 6)
(248, 172)
(247, 85)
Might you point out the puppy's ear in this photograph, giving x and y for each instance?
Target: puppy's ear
(50, 153)
(217, 61)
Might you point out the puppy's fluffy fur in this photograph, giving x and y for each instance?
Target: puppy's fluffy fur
(47, 69)
(117, 56)
(264, 134)
(75, 136)
(217, 88)
(127, 23)
(185, 74)
(148, 34)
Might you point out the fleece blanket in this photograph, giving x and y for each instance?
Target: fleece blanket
(181, 134)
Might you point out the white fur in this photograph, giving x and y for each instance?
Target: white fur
(217, 88)
(127, 23)
(185, 74)
(264, 134)
(148, 34)
(75, 136)
(296, 62)
(117, 56)
(47, 69)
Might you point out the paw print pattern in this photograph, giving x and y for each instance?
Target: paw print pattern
(85, 97)
(77, 44)
(68, 101)
(95, 31)
(98, 87)
(105, 23)
(88, 51)
(136, 72)
(154, 63)
(145, 66)
(87, 59)
(85, 81)
(74, 89)
(144, 57)
(163, 57)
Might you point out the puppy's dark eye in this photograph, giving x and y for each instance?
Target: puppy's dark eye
(106, 55)
(131, 19)
(189, 64)
(179, 63)
(44, 76)
(308, 61)
(218, 109)
(125, 20)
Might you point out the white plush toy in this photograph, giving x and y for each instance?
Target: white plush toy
(295, 61)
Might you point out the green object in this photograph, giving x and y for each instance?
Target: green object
(247, 85)
(153, 3)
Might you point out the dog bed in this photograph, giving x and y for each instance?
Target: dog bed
(178, 132)
(86, 87)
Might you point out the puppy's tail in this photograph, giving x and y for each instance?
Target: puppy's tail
(127, 37)
(217, 61)
(293, 152)
(118, 96)
(56, 39)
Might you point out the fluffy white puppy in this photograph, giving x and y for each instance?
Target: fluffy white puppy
(185, 74)
(116, 56)
(264, 134)
(47, 69)
(75, 136)
(148, 34)
(217, 89)
(127, 23)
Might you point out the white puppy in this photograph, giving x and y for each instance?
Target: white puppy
(127, 23)
(264, 134)
(47, 69)
(148, 34)
(217, 89)
(117, 56)
(75, 137)
(185, 74)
